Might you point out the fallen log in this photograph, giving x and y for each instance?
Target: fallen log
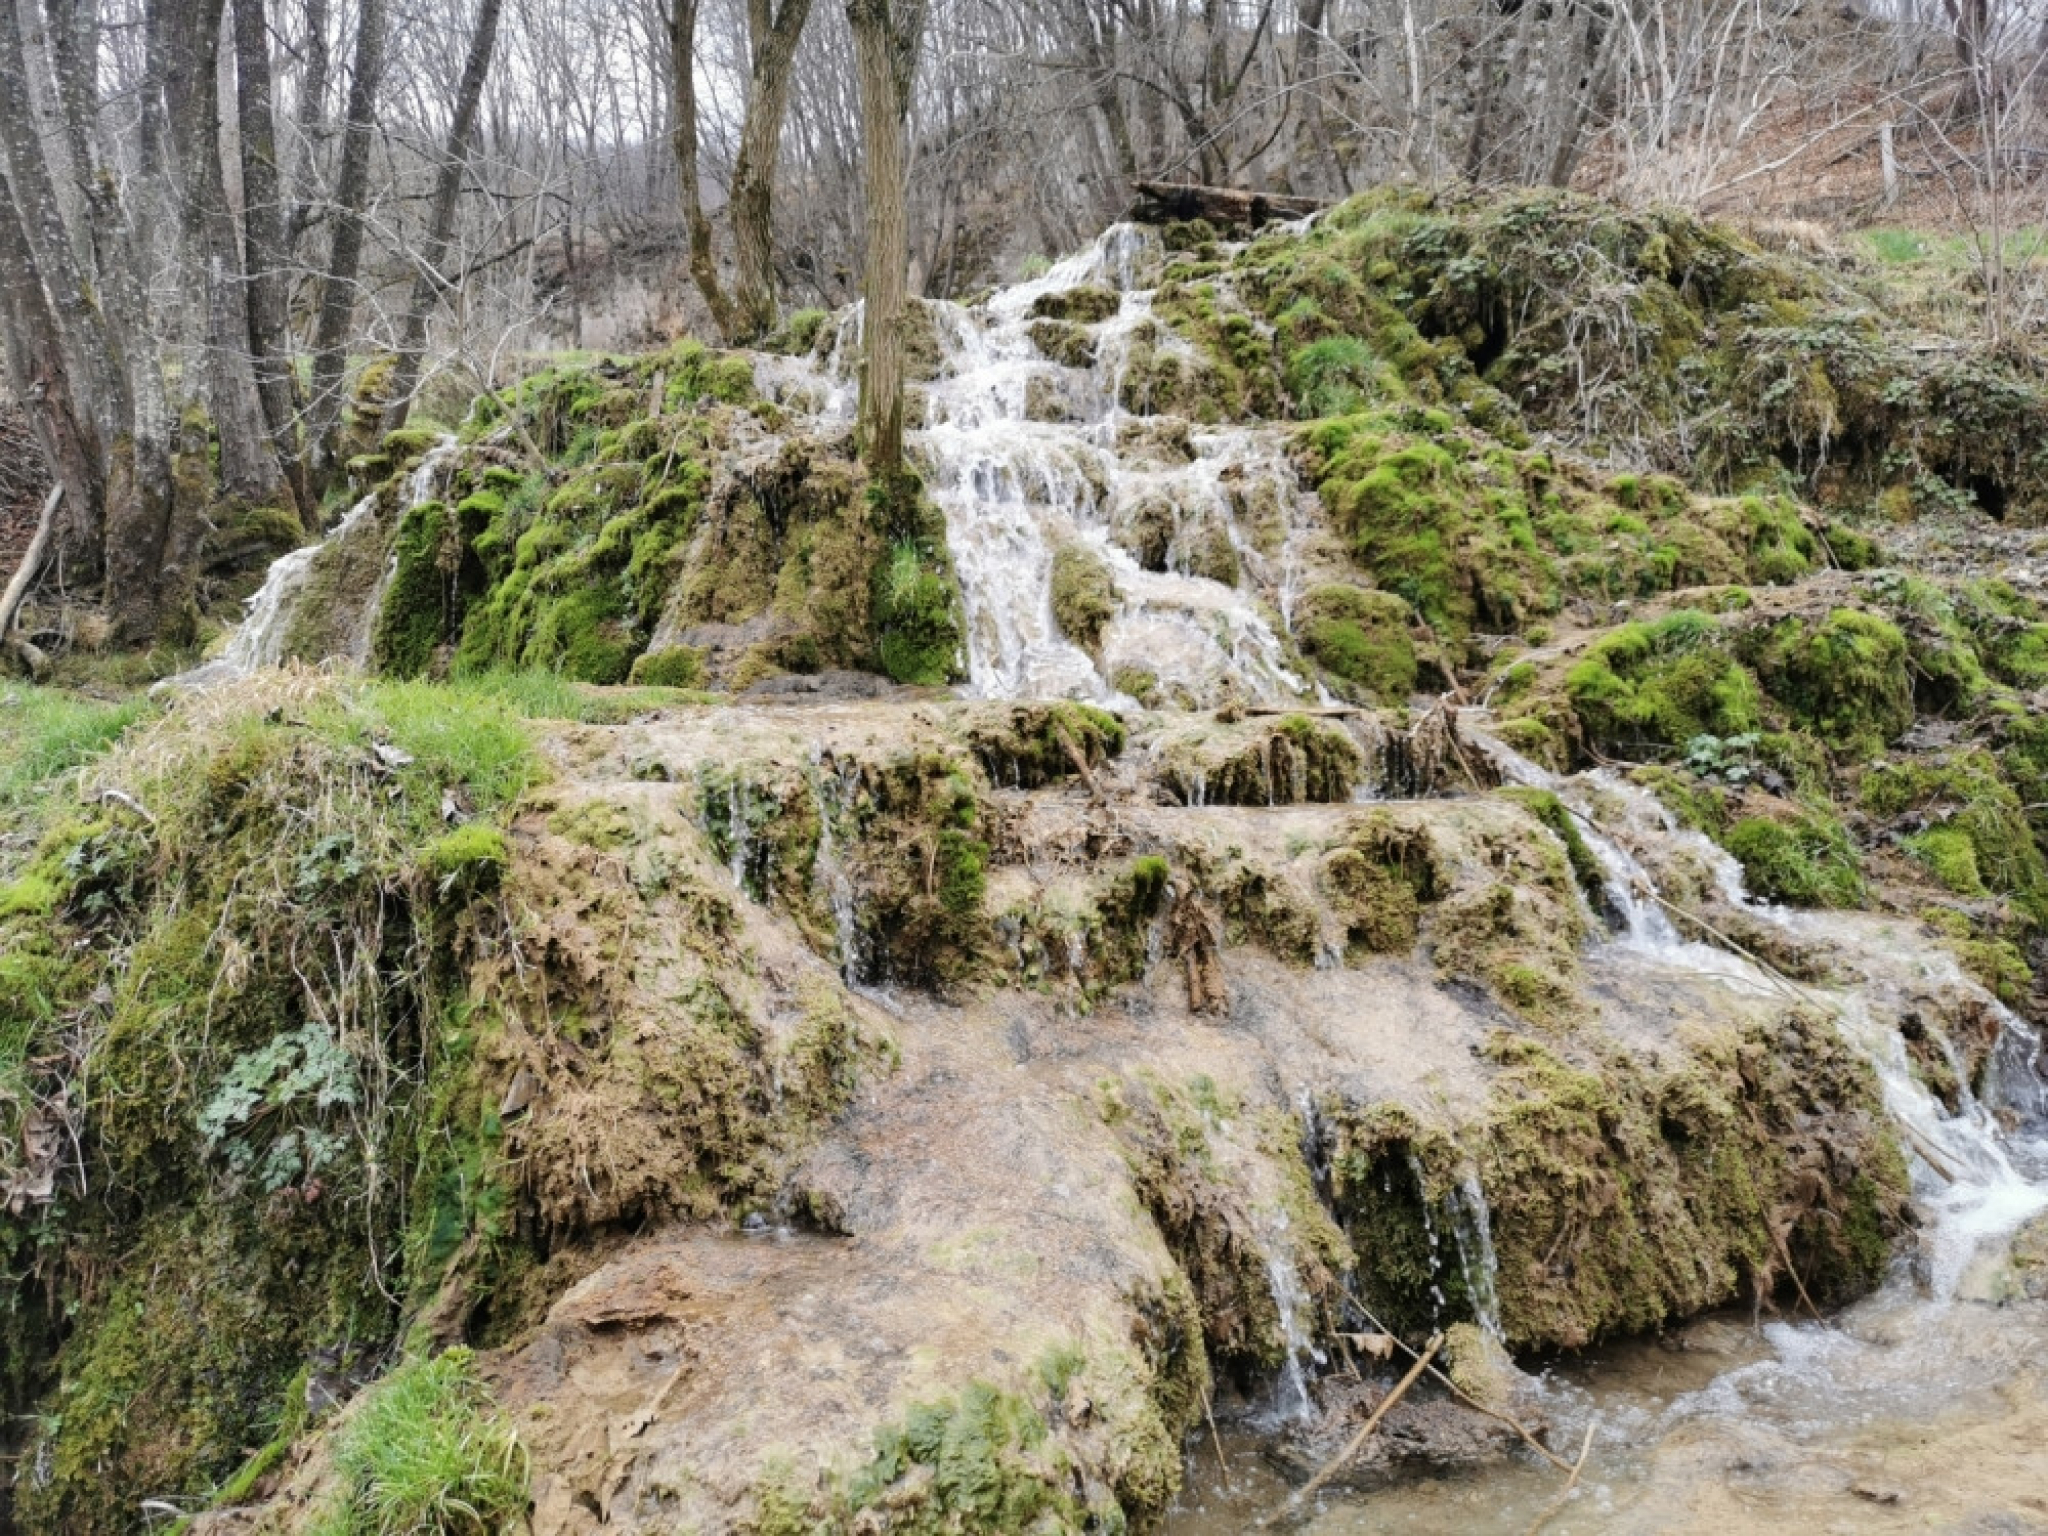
(1161, 202)
(31, 562)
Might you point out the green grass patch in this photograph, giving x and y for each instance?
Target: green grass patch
(45, 731)
(427, 1452)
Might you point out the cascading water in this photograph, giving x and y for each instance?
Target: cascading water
(1472, 1230)
(1975, 1181)
(1291, 1303)
(259, 640)
(833, 791)
(1025, 454)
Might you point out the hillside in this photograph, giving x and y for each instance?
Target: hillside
(1475, 766)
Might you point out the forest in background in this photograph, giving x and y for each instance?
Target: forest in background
(230, 229)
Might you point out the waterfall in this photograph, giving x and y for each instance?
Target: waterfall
(1975, 1181)
(259, 640)
(1478, 1265)
(833, 787)
(1292, 1305)
(1025, 454)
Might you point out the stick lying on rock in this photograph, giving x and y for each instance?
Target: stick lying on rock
(1336, 1463)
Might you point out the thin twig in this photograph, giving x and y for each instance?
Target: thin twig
(1558, 1503)
(1209, 1412)
(1336, 1463)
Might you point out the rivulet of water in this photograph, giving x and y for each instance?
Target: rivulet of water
(259, 640)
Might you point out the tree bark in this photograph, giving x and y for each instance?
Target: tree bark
(429, 284)
(886, 36)
(774, 38)
(310, 124)
(264, 240)
(249, 467)
(94, 371)
(338, 288)
(682, 47)
(39, 376)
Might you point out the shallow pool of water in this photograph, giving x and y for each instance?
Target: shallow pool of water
(1899, 1414)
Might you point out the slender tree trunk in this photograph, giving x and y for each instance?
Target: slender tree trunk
(682, 40)
(753, 184)
(249, 466)
(311, 124)
(263, 237)
(430, 283)
(886, 35)
(93, 360)
(40, 378)
(338, 289)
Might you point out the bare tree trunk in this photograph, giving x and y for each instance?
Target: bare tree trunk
(753, 182)
(886, 36)
(429, 284)
(263, 234)
(249, 466)
(338, 289)
(311, 121)
(93, 362)
(703, 263)
(40, 378)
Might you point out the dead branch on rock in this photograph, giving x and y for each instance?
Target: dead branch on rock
(1336, 1463)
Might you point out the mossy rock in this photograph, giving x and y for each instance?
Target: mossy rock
(1027, 746)
(1806, 861)
(1845, 678)
(1078, 306)
(1960, 816)
(1361, 637)
(1063, 342)
(1645, 690)
(1624, 1192)
(678, 666)
(1084, 595)
(1289, 760)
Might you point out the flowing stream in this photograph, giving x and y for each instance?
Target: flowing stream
(260, 639)
(1025, 455)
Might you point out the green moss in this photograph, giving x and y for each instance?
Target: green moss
(1084, 595)
(1845, 679)
(1063, 342)
(678, 666)
(414, 619)
(1623, 1192)
(1362, 638)
(1291, 760)
(918, 626)
(798, 332)
(981, 1461)
(476, 853)
(1979, 838)
(1807, 861)
(1026, 746)
(1647, 689)
(1550, 810)
(1083, 305)
(31, 896)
